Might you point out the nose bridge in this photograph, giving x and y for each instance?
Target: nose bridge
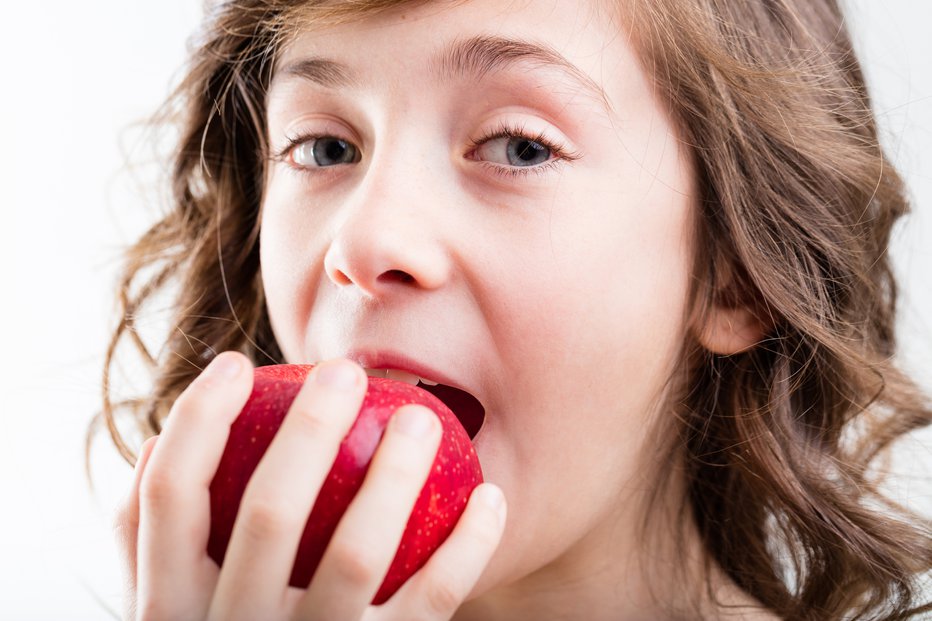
(390, 233)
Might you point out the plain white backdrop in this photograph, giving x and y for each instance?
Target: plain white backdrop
(75, 79)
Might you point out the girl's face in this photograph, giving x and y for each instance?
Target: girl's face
(491, 190)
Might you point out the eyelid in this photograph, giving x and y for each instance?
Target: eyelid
(299, 138)
(515, 172)
(561, 151)
(291, 143)
(311, 127)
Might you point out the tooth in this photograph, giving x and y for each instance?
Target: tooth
(376, 373)
(402, 376)
(428, 382)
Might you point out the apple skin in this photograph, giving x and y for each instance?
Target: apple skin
(454, 473)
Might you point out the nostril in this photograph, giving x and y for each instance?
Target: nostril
(397, 275)
(340, 278)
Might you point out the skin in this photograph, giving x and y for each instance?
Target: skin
(560, 295)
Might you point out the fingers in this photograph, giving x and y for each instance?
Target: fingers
(126, 528)
(282, 490)
(444, 582)
(169, 508)
(174, 497)
(367, 537)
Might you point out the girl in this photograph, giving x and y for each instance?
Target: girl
(648, 237)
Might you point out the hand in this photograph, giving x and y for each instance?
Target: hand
(163, 525)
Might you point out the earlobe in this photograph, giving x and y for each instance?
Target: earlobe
(730, 330)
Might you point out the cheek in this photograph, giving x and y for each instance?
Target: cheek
(599, 324)
(590, 343)
(601, 330)
(286, 255)
(611, 288)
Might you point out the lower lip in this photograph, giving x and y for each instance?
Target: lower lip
(473, 413)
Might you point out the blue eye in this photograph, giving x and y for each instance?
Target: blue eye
(513, 151)
(324, 151)
(523, 152)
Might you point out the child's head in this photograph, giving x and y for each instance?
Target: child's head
(648, 236)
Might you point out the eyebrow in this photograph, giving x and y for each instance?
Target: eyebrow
(476, 57)
(471, 58)
(326, 73)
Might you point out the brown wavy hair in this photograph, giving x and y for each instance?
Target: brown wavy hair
(795, 212)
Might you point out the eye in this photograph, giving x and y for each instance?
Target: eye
(320, 151)
(513, 151)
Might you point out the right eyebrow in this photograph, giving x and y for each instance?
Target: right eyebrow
(326, 73)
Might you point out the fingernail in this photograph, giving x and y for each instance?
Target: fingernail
(414, 421)
(225, 366)
(144, 451)
(493, 498)
(336, 374)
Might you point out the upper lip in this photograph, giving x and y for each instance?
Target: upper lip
(386, 359)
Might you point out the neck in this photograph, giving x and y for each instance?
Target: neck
(622, 572)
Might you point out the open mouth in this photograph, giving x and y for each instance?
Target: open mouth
(467, 408)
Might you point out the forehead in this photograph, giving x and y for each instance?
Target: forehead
(319, 15)
(581, 39)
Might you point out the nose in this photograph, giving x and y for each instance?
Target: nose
(389, 238)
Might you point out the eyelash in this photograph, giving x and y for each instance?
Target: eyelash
(292, 142)
(559, 152)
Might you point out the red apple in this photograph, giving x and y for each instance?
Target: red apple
(453, 476)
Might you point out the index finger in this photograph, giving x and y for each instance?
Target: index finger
(283, 488)
(174, 497)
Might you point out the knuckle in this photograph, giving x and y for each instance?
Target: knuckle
(444, 593)
(264, 518)
(158, 487)
(485, 531)
(124, 524)
(397, 466)
(354, 562)
(311, 422)
(189, 402)
(397, 461)
(147, 609)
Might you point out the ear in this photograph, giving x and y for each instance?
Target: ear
(733, 323)
(730, 330)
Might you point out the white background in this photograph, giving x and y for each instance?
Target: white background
(74, 80)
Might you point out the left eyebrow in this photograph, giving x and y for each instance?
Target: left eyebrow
(478, 56)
